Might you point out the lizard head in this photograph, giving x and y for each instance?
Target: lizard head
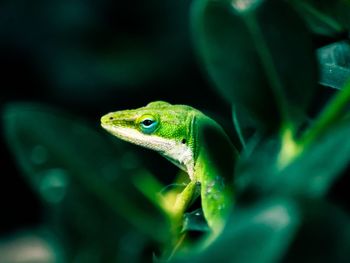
(159, 126)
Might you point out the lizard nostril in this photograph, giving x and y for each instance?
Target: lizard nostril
(111, 118)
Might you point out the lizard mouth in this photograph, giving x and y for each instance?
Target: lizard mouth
(106, 127)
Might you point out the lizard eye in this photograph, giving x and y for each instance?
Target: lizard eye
(148, 124)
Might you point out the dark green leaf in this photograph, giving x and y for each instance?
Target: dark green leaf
(259, 55)
(324, 234)
(311, 174)
(258, 234)
(84, 180)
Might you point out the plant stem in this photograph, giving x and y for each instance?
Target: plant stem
(318, 15)
(238, 127)
(330, 115)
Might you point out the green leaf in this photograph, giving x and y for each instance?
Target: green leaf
(315, 170)
(324, 17)
(310, 174)
(85, 181)
(259, 55)
(334, 60)
(258, 234)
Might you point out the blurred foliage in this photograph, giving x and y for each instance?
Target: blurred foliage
(76, 173)
(268, 84)
(282, 67)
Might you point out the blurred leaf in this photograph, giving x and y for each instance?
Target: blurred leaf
(36, 245)
(256, 171)
(324, 235)
(258, 234)
(311, 174)
(259, 55)
(84, 179)
(325, 17)
(334, 62)
(315, 170)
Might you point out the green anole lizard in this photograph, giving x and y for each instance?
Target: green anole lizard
(192, 141)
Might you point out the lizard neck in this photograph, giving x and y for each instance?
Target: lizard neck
(183, 153)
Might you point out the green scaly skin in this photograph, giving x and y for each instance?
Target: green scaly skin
(192, 141)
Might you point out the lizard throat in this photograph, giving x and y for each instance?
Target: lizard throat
(178, 153)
